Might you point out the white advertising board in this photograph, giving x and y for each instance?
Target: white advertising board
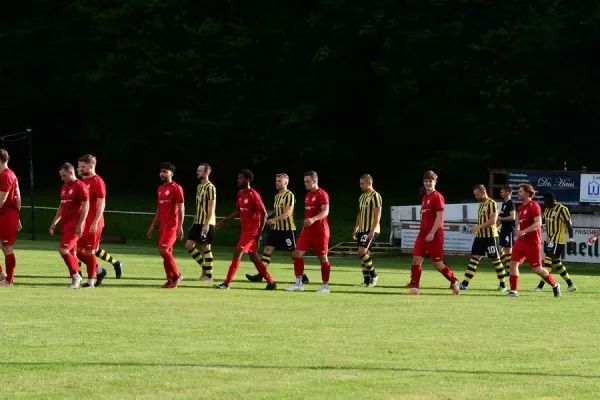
(458, 241)
(589, 191)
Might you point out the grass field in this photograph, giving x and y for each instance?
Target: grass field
(131, 339)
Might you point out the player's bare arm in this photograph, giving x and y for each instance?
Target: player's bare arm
(181, 212)
(356, 224)
(101, 202)
(376, 221)
(152, 225)
(3, 197)
(439, 215)
(55, 220)
(285, 215)
(491, 221)
(85, 208)
(233, 215)
(18, 192)
(210, 211)
(263, 221)
(571, 243)
(323, 214)
(537, 224)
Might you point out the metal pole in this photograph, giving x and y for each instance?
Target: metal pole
(31, 182)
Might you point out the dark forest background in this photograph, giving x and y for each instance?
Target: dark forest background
(343, 87)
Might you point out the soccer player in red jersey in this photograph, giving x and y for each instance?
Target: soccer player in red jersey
(169, 214)
(315, 233)
(431, 237)
(89, 243)
(253, 215)
(72, 212)
(10, 223)
(528, 245)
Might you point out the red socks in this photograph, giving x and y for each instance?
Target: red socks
(299, 267)
(170, 268)
(447, 272)
(262, 270)
(325, 271)
(90, 264)
(514, 282)
(11, 264)
(233, 269)
(415, 275)
(549, 279)
(71, 263)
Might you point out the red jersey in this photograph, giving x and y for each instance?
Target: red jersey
(527, 213)
(71, 196)
(251, 209)
(430, 205)
(9, 184)
(312, 208)
(97, 190)
(170, 195)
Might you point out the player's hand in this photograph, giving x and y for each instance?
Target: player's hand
(520, 234)
(19, 226)
(271, 222)
(309, 221)
(51, 230)
(79, 230)
(204, 230)
(94, 227)
(571, 247)
(354, 235)
(474, 229)
(429, 238)
(219, 225)
(592, 240)
(180, 233)
(371, 235)
(149, 233)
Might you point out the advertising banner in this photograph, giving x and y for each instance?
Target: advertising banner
(565, 185)
(590, 189)
(458, 241)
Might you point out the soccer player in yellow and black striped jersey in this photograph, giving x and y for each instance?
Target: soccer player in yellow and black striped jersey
(486, 241)
(281, 227)
(367, 228)
(203, 229)
(557, 220)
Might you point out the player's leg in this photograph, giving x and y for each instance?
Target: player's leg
(302, 246)
(262, 270)
(105, 256)
(265, 260)
(66, 248)
(11, 263)
(549, 254)
(195, 236)
(517, 257)
(320, 246)
(477, 251)
(436, 253)
(166, 242)
(246, 244)
(8, 237)
(534, 259)
(493, 253)
(419, 254)
(506, 244)
(560, 269)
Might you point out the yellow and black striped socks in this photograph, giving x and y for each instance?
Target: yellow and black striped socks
(207, 268)
(500, 271)
(368, 269)
(197, 256)
(471, 270)
(266, 260)
(104, 256)
(559, 268)
(505, 258)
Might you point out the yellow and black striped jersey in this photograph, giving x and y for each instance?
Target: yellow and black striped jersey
(367, 203)
(487, 208)
(282, 202)
(556, 219)
(204, 193)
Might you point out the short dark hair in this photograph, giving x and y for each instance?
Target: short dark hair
(480, 187)
(88, 159)
(166, 165)
(4, 157)
(507, 188)
(206, 166)
(67, 167)
(246, 173)
(367, 177)
(313, 175)
(550, 196)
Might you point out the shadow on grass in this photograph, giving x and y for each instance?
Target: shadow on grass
(299, 367)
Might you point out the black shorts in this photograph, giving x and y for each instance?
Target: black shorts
(483, 246)
(362, 239)
(281, 240)
(507, 238)
(554, 250)
(195, 234)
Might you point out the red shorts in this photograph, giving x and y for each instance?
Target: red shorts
(167, 239)
(90, 241)
(247, 243)
(9, 223)
(68, 239)
(435, 248)
(527, 251)
(319, 244)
